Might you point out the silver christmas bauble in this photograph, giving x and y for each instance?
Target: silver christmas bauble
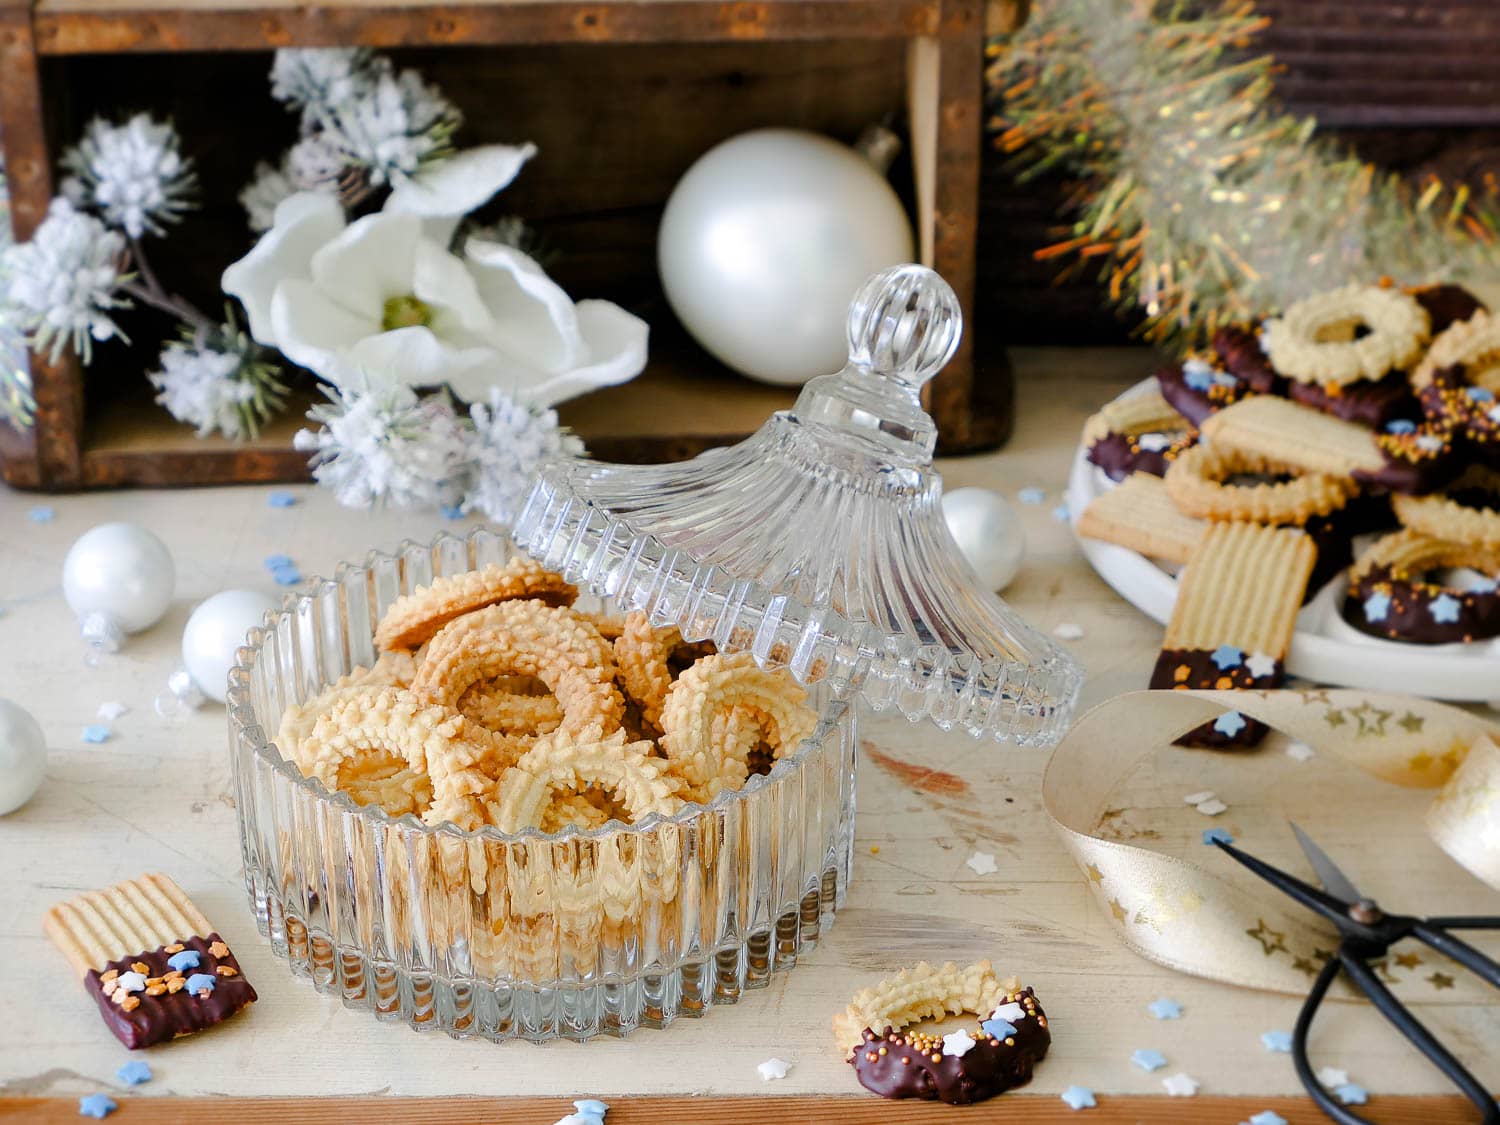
(988, 532)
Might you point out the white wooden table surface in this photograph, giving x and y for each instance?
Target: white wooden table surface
(157, 796)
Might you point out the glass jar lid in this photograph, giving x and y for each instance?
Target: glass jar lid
(818, 543)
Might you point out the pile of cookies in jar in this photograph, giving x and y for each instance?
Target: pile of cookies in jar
(1355, 433)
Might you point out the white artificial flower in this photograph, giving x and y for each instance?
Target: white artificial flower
(312, 164)
(62, 286)
(507, 445)
(391, 126)
(379, 295)
(261, 196)
(444, 191)
(198, 386)
(313, 78)
(133, 174)
(384, 445)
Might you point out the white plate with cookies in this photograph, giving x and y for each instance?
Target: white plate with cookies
(1325, 649)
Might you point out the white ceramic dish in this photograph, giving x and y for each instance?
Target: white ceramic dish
(1325, 648)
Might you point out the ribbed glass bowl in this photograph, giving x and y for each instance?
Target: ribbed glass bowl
(535, 936)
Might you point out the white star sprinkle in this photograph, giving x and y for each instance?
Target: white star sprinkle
(1199, 798)
(1301, 751)
(1332, 1076)
(1180, 1086)
(1010, 1013)
(1067, 631)
(983, 863)
(1153, 443)
(1261, 665)
(112, 710)
(1211, 807)
(959, 1044)
(773, 1069)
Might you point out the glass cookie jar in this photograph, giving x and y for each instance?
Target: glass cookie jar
(818, 545)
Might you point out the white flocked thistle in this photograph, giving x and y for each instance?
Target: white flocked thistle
(314, 79)
(387, 447)
(62, 287)
(219, 381)
(509, 440)
(133, 175)
(393, 126)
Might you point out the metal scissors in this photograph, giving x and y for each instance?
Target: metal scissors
(1366, 932)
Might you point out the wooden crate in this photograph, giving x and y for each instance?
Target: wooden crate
(620, 95)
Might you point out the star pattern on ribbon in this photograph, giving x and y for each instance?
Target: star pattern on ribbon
(1094, 873)
(1408, 960)
(1303, 965)
(1371, 720)
(1411, 722)
(1117, 910)
(1270, 940)
(1440, 981)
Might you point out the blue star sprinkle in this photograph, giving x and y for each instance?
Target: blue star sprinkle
(286, 575)
(281, 500)
(277, 562)
(185, 959)
(1079, 1097)
(1230, 723)
(1444, 609)
(1164, 1009)
(1351, 1093)
(1149, 1060)
(1197, 375)
(98, 1106)
(1377, 605)
(1484, 586)
(97, 732)
(1225, 379)
(1268, 1117)
(199, 981)
(589, 1111)
(1212, 836)
(134, 1073)
(1031, 496)
(1226, 657)
(42, 513)
(1401, 426)
(997, 1029)
(452, 511)
(1061, 513)
(1277, 1041)
(1480, 394)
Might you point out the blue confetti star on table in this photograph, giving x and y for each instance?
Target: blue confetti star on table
(589, 1111)
(997, 1029)
(1226, 657)
(286, 576)
(1377, 605)
(1276, 1041)
(96, 732)
(1480, 394)
(134, 1072)
(96, 1105)
(42, 513)
(1230, 723)
(1268, 1117)
(1444, 609)
(277, 562)
(1061, 513)
(1031, 495)
(1351, 1093)
(1164, 1009)
(1401, 426)
(281, 499)
(1079, 1097)
(1149, 1060)
(1212, 836)
(452, 511)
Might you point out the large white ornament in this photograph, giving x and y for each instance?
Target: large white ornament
(23, 756)
(988, 532)
(215, 630)
(765, 240)
(121, 573)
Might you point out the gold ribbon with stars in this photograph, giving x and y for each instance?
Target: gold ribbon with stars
(1211, 920)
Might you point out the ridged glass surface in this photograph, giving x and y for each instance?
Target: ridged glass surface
(819, 542)
(572, 935)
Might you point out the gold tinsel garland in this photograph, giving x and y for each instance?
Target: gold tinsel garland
(1208, 204)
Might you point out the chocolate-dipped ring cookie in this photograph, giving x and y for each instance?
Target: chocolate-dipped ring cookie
(969, 1065)
(1197, 388)
(1317, 339)
(1199, 481)
(1391, 596)
(1467, 512)
(1136, 434)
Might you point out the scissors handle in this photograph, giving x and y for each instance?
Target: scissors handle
(1417, 1033)
(1315, 1089)
(1461, 951)
(1469, 922)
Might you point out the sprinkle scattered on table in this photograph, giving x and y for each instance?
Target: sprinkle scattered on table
(134, 1072)
(1351, 1093)
(1062, 513)
(281, 499)
(1068, 631)
(1165, 1009)
(1276, 1041)
(283, 570)
(1332, 1077)
(1199, 797)
(1300, 751)
(587, 1111)
(111, 710)
(773, 1069)
(1212, 836)
(1229, 724)
(1268, 1117)
(1148, 1060)
(96, 1105)
(1212, 807)
(452, 512)
(277, 562)
(1079, 1097)
(1179, 1086)
(97, 732)
(1032, 495)
(983, 863)
(42, 513)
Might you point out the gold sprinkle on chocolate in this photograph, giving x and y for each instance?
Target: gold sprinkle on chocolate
(882, 1051)
(175, 947)
(140, 967)
(106, 979)
(175, 985)
(905, 1060)
(226, 970)
(937, 1058)
(130, 1003)
(1010, 1040)
(219, 949)
(155, 989)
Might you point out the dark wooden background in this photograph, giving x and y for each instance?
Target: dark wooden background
(1413, 85)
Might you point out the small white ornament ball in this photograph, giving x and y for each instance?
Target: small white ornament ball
(764, 241)
(988, 532)
(215, 630)
(122, 571)
(23, 756)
